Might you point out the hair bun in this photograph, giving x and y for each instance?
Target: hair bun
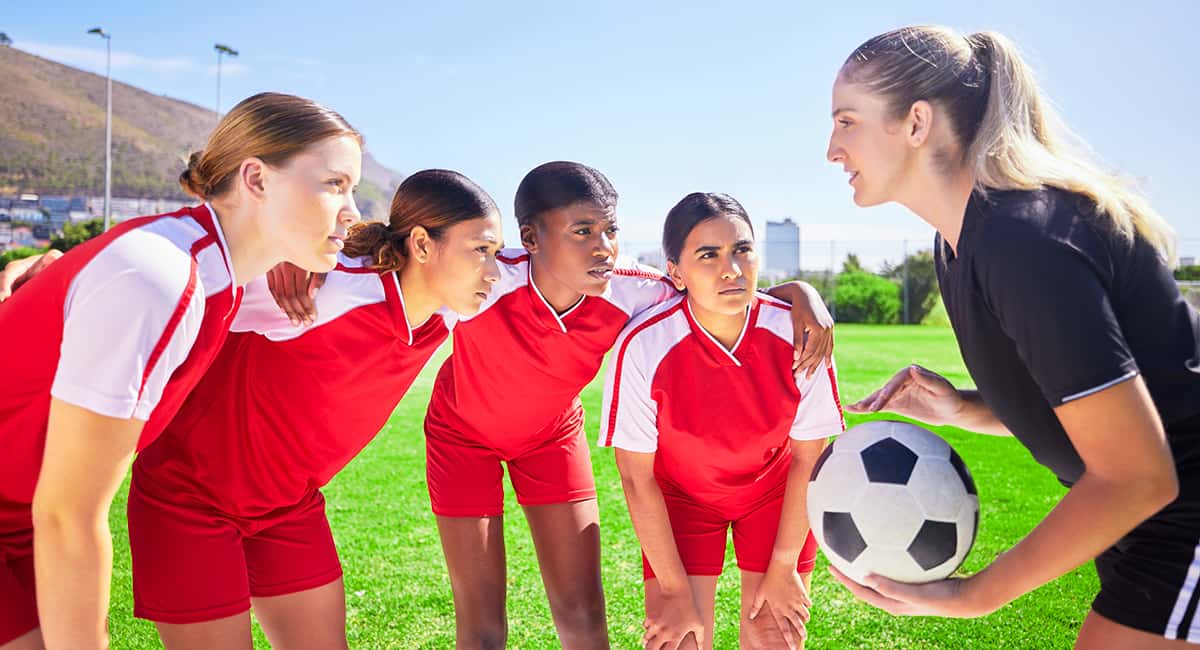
(189, 180)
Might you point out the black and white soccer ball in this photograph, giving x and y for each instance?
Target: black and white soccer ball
(895, 500)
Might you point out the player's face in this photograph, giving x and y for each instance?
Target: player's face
(576, 246)
(868, 143)
(718, 266)
(462, 264)
(309, 201)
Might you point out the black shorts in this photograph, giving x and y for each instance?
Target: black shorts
(1150, 579)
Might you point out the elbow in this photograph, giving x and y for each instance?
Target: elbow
(1166, 488)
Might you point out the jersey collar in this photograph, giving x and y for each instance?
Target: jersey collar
(718, 353)
(210, 219)
(546, 313)
(391, 288)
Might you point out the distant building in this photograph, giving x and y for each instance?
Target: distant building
(22, 236)
(1187, 261)
(782, 248)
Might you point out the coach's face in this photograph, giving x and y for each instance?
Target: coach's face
(574, 248)
(718, 266)
(868, 143)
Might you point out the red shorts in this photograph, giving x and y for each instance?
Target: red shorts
(700, 531)
(193, 564)
(465, 476)
(18, 600)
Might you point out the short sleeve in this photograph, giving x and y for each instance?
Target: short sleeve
(131, 317)
(630, 415)
(819, 414)
(1050, 298)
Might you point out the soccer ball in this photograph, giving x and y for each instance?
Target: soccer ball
(895, 500)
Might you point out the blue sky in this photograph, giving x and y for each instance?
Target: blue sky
(665, 98)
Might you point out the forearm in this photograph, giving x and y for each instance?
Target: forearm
(651, 523)
(977, 416)
(793, 522)
(73, 565)
(1093, 515)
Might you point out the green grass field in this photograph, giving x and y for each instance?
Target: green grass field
(398, 595)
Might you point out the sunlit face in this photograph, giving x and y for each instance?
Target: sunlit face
(576, 246)
(308, 202)
(718, 266)
(462, 264)
(868, 144)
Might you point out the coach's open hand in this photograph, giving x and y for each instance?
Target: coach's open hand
(952, 597)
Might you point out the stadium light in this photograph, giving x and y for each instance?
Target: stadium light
(222, 50)
(107, 124)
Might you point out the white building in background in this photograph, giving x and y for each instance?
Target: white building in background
(782, 248)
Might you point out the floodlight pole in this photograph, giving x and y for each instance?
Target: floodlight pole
(107, 124)
(222, 50)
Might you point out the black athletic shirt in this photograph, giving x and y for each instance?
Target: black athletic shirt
(1050, 304)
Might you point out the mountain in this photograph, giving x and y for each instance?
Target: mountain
(52, 136)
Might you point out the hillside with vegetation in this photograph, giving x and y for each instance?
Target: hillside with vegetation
(52, 136)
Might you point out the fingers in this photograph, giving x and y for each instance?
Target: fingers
(870, 596)
(289, 284)
(880, 398)
(785, 629)
(815, 353)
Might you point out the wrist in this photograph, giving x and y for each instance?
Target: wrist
(983, 594)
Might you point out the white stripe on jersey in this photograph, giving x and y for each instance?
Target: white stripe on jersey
(1182, 600)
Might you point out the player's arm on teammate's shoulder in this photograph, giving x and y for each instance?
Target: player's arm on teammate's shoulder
(295, 291)
(812, 323)
(18, 272)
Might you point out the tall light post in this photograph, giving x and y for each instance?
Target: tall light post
(222, 50)
(107, 124)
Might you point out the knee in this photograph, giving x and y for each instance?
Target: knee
(484, 637)
(582, 614)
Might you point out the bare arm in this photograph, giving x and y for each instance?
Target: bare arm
(811, 317)
(18, 272)
(926, 396)
(1130, 475)
(85, 459)
(648, 511)
(782, 589)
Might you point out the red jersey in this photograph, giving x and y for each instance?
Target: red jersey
(518, 365)
(284, 408)
(123, 325)
(718, 420)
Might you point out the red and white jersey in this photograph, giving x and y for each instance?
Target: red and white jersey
(123, 325)
(718, 420)
(517, 364)
(284, 408)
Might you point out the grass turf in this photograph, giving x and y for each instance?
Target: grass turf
(398, 594)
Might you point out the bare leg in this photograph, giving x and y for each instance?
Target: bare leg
(763, 632)
(704, 591)
(474, 549)
(313, 618)
(230, 632)
(567, 539)
(1099, 633)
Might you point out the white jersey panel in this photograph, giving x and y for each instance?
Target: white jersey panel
(634, 287)
(629, 417)
(127, 322)
(344, 290)
(819, 414)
